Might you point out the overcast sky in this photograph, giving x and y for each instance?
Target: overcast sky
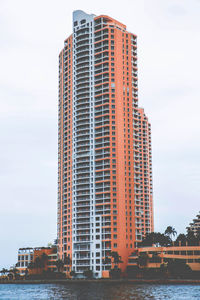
(31, 36)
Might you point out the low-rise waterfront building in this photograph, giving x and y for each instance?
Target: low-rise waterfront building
(25, 257)
(153, 257)
(28, 262)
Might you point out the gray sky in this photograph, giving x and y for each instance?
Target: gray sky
(32, 34)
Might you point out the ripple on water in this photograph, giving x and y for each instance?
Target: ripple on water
(98, 291)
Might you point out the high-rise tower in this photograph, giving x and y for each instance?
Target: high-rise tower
(104, 168)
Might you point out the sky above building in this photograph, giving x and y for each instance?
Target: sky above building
(32, 34)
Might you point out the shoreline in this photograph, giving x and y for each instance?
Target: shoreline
(105, 281)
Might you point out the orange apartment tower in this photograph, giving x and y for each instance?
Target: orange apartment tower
(104, 151)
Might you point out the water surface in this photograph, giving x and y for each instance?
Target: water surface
(98, 291)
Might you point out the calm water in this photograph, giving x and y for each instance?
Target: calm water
(98, 291)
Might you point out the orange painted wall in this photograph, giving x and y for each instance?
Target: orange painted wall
(38, 253)
(65, 125)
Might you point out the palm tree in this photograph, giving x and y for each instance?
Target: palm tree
(170, 231)
(67, 261)
(181, 238)
(155, 258)
(4, 271)
(72, 273)
(59, 264)
(116, 271)
(143, 259)
(26, 272)
(44, 258)
(156, 238)
(191, 238)
(107, 261)
(116, 258)
(163, 240)
(31, 265)
(14, 272)
(150, 239)
(38, 264)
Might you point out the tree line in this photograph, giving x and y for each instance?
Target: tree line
(166, 239)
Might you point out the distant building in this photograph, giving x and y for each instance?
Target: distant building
(49, 264)
(155, 256)
(25, 257)
(195, 225)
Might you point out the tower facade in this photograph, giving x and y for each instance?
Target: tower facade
(104, 152)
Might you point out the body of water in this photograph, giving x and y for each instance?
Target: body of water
(98, 291)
